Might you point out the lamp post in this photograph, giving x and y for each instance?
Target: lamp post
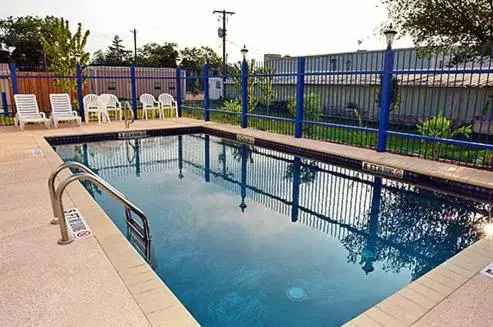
(386, 90)
(78, 75)
(178, 61)
(390, 34)
(244, 88)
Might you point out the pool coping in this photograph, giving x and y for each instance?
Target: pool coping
(403, 308)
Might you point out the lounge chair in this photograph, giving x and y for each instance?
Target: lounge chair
(166, 101)
(61, 109)
(149, 103)
(28, 111)
(112, 104)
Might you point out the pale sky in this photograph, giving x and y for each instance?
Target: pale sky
(293, 28)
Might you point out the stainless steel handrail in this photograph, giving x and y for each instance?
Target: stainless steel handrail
(51, 182)
(126, 105)
(129, 206)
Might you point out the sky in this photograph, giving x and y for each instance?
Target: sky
(307, 27)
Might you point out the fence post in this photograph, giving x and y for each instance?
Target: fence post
(178, 90)
(13, 77)
(5, 105)
(206, 92)
(133, 84)
(244, 93)
(80, 95)
(300, 85)
(385, 99)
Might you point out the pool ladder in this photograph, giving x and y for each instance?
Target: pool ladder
(139, 230)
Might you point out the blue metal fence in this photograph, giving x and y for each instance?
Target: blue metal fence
(437, 106)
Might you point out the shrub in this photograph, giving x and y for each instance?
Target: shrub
(232, 105)
(440, 127)
(312, 110)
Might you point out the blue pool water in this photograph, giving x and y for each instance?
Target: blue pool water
(246, 236)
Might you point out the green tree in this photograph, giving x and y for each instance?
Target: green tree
(195, 57)
(444, 23)
(20, 39)
(62, 48)
(117, 54)
(156, 55)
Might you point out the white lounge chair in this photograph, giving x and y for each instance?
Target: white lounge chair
(92, 105)
(61, 109)
(28, 111)
(110, 101)
(166, 102)
(149, 103)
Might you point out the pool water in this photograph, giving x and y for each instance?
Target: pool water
(247, 236)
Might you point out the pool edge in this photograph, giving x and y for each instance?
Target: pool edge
(413, 302)
(156, 301)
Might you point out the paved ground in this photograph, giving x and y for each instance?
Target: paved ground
(100, 281)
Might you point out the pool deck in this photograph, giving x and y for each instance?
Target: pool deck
(102, 281)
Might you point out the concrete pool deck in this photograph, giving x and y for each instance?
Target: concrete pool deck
(102, 281)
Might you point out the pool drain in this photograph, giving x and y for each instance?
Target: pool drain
(296, 293)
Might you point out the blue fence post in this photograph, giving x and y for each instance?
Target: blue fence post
(80, 95)
(178, 90)
(133, 83)
(5, 105)
(244, 94)
(295, 206)
(300, 90)
(244, 164)
(385, 99)
(205, 80)
(13, 77)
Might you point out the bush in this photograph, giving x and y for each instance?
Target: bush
(312, 110)
(440, 127)
(232, 105)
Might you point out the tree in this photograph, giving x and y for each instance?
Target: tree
(156, 55)
(444, 23)
(20, 39)
(195, 57)
(117, 54)
(62, 48)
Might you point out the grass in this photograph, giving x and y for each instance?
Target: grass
(400, 145)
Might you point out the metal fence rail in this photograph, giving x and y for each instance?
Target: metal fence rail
(437, 106)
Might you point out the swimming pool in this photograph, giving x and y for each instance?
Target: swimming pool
(245, 235)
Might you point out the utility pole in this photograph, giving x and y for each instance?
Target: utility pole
(135, 46)
(222, 34)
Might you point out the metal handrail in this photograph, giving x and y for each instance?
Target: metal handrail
(126, 105)
(51, 182)
(129, 207)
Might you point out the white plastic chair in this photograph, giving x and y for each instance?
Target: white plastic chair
(110, 101)
(61, 109)
(149, 103)
(166, 101)
(28, 111)
(91, 105)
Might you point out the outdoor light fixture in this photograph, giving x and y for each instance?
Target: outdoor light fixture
(178, 61)
(244, 52)
(390, 34)
(77, 58)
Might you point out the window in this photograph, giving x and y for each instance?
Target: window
(111, 85)
(218, 85)
(157, 85)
